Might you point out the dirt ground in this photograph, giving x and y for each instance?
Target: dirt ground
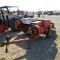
(41, 49)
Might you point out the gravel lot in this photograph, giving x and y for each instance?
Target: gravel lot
(41, 49)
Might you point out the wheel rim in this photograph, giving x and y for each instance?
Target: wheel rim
(17, 22)
(35, 31)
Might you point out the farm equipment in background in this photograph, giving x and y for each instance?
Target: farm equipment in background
(39, 13)
(33, 27)
(3, 25)
(9, 18)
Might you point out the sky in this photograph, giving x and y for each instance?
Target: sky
(33, 5)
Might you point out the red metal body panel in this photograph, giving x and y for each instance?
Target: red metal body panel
(41, 30)
(46, 23)
(3, 28)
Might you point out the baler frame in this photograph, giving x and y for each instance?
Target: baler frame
(34, 37)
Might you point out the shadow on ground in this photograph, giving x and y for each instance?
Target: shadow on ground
(4, 34)
(41, 49)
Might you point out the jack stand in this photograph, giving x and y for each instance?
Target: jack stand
(7, 43)
(28, 46)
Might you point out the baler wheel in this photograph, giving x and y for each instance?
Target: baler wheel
(35, 31)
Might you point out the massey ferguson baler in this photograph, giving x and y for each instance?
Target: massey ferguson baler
(33, 27)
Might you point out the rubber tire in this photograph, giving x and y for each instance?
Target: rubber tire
(48, 34)
(35, 33)
(12, 24)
